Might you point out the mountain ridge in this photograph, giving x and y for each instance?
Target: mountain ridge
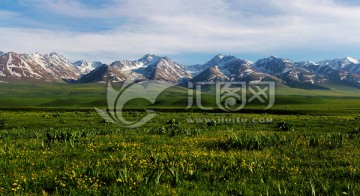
(54, 67)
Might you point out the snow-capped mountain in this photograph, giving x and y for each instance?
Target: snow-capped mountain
(54, 67)
(339, 64)
(229, 68)
(36, 67)
(149, 59)
(14, 68)
(53, 64)
(347, 64)
(1, 53)
(219, 60)
(102, 74)
(85, 67)
(339, 71)
(305, 64)
(165, 69)
(211, 74)
(149, 67)
(306, 74)
(274, 65)
(294, 74)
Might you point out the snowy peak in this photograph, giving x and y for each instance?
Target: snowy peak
(55, 55)
(273, 59)
(99, 74)
(308, 74)
(273, 65)
(1, 53)
(294, 74)
(14, 67)
(339, 64)
(350, 60)
(85, 67)
(36, 67)
(211, 74)
(347, 64)
(223, 62)
(220, 56)
(126, 65)
(163, 68)
(54, 64)
(150, 67)
(149, 59)
(9, 65)
(305, 64)
(54, 67)
(229, 68)
(83, 63)
(220, 60)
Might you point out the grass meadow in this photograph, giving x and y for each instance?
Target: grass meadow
(52, 142)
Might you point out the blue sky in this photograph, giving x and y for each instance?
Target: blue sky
(188, 31)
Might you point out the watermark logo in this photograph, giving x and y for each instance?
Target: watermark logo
(230, 120)
(232, 96)
(130, 90)
(229, 96)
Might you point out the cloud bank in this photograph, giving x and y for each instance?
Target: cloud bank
(126, 29)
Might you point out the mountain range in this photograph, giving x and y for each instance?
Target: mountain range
(54, 67)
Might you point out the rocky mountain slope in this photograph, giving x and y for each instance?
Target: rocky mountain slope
(36, 67)
(149, 67)
(54, 67)
(229, 68)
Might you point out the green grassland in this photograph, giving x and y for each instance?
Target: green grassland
(53, 142)
(88, 96)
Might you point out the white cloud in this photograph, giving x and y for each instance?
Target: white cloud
(184, 26)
